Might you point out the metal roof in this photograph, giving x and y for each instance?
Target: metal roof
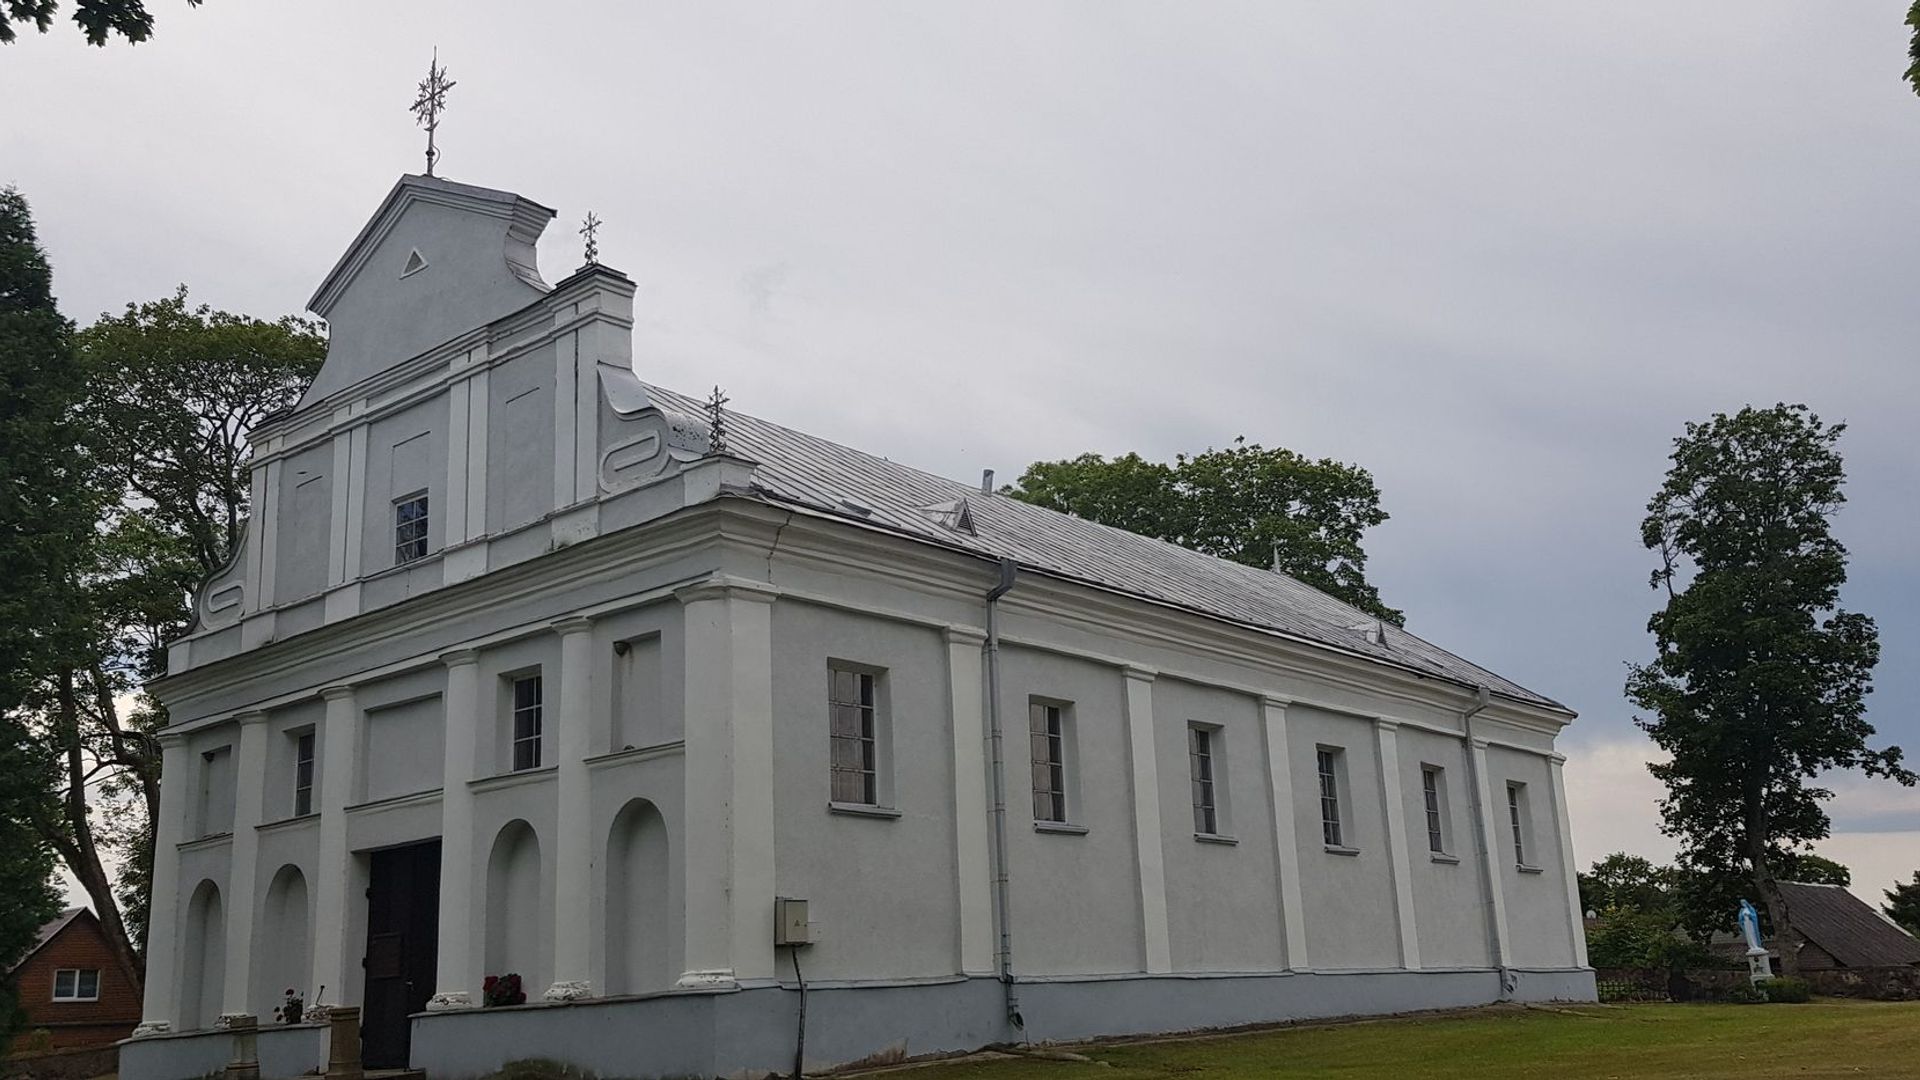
(824, 477)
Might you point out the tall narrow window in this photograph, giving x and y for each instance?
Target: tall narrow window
(410, 528)
(1327, 762)
(1046, 726)
(526, 722)
(1515, 793)
(854, 771)
(1430, 791)
(1206, 808)
(303, 774)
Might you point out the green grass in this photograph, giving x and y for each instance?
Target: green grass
(1592, 1042)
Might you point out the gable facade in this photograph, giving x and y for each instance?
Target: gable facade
(517, 672)
(71, 987)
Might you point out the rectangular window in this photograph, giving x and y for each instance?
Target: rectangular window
(1516, 794)
(71, 984)
(1430, 791)
(526, 722)
(854, 767)
(410, 528)
(1047, 740)
(1327, 762)
(303, 774)
(1206, 808)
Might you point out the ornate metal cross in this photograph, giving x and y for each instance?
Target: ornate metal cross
(431, 101)
(717, 422)
(589, 228)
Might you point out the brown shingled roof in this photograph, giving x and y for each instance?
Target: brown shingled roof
(1848, 928)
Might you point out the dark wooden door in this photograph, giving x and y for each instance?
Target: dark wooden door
(403, 927)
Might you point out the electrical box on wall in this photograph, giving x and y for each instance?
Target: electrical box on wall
(790, 925)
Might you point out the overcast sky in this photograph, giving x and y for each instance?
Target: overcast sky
(1497, 253)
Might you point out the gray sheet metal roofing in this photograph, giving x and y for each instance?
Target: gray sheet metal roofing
(824, 477)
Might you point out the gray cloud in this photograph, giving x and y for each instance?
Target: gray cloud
(1496, 252)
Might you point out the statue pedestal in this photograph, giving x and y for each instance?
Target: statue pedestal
(1759, 965)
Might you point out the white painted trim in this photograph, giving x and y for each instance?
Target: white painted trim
(335, 959)
(1155, 934)
(973, 867)
(257, 495)
(573, 819)
(356, 500)
(1286, 841)
(1576, 923)
(250, 772)
(337, 522)
(456, 976)
(268, 544)
(1399, 865)
(453, 515)
(479, 404)
(160, 1009)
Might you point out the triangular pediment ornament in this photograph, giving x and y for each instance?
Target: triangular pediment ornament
(416, 262)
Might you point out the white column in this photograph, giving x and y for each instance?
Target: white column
(1399, 867)
(729, 782)
(1577, 923)
(160, 1009)
(1146, 821)
(456, 975)
(338, 524)
(1499, 948)
(573, 822)
(335, 964)
(973, 867)
(1286, 841)
(250, 778)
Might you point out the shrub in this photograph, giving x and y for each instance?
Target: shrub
(1787, 991)
(1746, 994)
(500, 990)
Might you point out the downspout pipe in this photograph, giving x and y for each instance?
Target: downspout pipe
(1489, 877)
(1009, 573)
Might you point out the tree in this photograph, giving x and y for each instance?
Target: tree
(1913, 48)
(1623, 882)
(100, 19)
(1266, 508)
(1811, 869)
(1759, 678)
(1903, 904)
(42, 510)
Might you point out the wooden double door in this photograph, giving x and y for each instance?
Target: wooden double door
(403, 934)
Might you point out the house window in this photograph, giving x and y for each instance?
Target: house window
(1200, 751)
(1430, 783)
(854, 766)
(1328, 762)
(71, 984)
(526, 722)
(1517, 817)
(1047, 739)
(303, 774)
(410, 528)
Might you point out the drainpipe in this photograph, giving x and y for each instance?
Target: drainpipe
(1008, 570)
(1489, 877)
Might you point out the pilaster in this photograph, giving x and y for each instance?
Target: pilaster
(1286, 842)
(250, 778)
(1576, 922)
(729, 782)
(456, 975)
(335, 965)
(573, 821)
(1155, 936)
(1499, 945)
(160, 1009)
(1399, 868)
(973, 867)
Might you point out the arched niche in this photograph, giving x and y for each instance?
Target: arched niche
(638, 916)
(204, 950)
(283, 943)
(516, 934)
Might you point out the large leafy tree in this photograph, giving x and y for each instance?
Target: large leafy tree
(1253, 505)
(1759, 678)
(99, 19)
(1903, 904)
(45, 510)
(1623, 882)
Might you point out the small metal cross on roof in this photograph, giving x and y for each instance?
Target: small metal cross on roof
(431, 101)
(717, 421)
(589, 229)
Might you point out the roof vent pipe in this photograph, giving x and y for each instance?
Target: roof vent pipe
(986, 481)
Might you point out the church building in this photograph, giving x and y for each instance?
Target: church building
(683, 719)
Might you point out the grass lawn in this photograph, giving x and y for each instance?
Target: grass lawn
(1601, 1042)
